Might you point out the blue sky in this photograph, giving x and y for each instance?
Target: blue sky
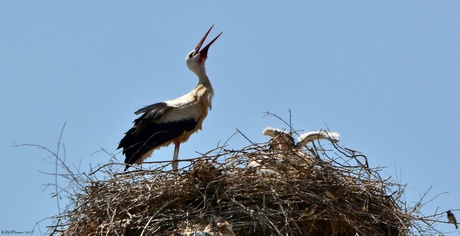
(385, 75)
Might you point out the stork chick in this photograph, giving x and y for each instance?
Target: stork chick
(308, 137)
(280, 139)
(172, 121)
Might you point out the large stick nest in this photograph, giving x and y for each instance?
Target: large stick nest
(261, 189)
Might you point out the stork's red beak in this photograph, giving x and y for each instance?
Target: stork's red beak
(204, 51)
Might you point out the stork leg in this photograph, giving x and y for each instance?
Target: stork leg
(175, 164)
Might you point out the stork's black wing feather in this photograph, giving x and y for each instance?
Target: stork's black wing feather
(153, 111)
(147, 133)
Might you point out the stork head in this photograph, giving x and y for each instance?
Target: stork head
(196, 58)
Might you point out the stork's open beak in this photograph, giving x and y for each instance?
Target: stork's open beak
(204, 51)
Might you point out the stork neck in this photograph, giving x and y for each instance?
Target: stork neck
(203, 79)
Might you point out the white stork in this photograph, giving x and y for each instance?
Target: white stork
(172, 121)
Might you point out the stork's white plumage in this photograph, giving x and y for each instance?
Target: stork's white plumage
(280, 139)
(307, 137)
(172, 121)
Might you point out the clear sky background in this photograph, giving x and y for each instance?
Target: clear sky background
(384, 74)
